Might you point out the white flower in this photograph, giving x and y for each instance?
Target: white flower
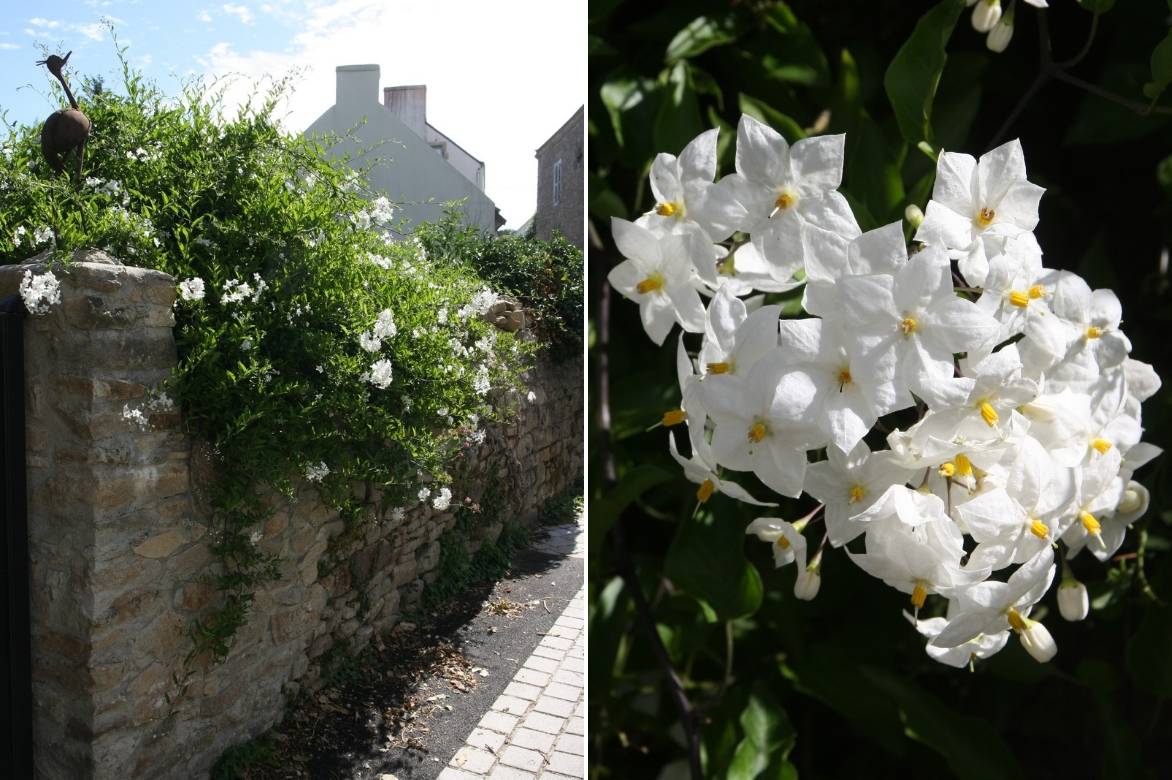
(43, 235)
(379, 374)
(384, 326)
(660, 276)
(484, 299)
(1073, 602)
(39, 292)
(701, 469)
(382, 212)
(976, 205)
(681, 187)
(986, 13)
(531, 397)
(443, 499)
(789, 546)
(850, 484)
(236, 291)
(192, 289)
(135, 416)
(808, 582)
(398, 513)
(480, 383)
(423, 493)
(316, 473)
(369, 342)
(1002, 33)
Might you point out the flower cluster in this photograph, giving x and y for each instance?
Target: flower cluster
(1010, 408)
(39, 292)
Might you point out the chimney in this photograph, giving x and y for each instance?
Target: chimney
(357, 84)
(409, 104)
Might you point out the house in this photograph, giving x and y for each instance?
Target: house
(416, 166)
(560, 183)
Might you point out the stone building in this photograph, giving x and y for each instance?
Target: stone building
(560, 183)
(419, 168)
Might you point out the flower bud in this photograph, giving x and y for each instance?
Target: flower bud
(913, 215)
(986, 13)
(1134, 500)
(1036, 639)
(1073, 601)
(1001, 34)
(808, 582)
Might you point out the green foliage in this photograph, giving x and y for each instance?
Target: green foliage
(914, 73)
(546, 277)
(562, 508)
(841, 687)
(273, 377)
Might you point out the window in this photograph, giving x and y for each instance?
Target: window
(557, 182)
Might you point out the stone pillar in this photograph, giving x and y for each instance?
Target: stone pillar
(108, 502)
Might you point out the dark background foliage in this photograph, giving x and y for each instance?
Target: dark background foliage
(840, 687)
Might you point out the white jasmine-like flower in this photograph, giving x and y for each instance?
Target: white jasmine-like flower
(236, 291)
(850, 484)
(531, 397)
(369, 342)
(986, 13)
(398, 513)
(443, 499)
(379, 374)
(681, 186)
(1073, 602)
(701, 469)
(660, 275)
(135, 416)
(423, 493)
(382, 212)
(39, 292)
(384, 326)
(480, 383)
(316, 473)
(808, 582)
(1002, 33)
(789, 546)
(192, 289)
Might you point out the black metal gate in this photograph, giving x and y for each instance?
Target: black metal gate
(16, 728)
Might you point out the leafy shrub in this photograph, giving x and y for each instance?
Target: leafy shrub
(312, 346)
(546, 277)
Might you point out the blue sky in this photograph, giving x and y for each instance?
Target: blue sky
(502, 76)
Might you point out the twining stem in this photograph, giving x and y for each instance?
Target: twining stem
(1049, 69)
(688, 715)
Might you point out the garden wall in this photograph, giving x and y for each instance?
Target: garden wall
(118, 542)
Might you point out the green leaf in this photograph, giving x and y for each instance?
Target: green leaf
(1161, 69)
(707, 561)
(631, 485)
(970, 745)
(627, 98)
(608, 616)
(778, 121)
(700, 35)
(914, 74)
(1149, 650)
(678, 120)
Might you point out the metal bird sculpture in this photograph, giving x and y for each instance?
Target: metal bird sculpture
(66, 130)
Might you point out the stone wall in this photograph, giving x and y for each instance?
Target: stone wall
(118, 542)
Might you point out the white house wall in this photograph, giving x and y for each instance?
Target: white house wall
(410, 171)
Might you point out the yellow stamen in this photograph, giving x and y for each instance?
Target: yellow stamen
(919, 595)
(1089, 523)
(1039, 529)
(667, 209)
(1101, 446)
(705, 491)
(964, 466)
(1093, 332)
(844, 377)
(947, 470)
(988, 413)
(785, 200)
(719, 368)
(856, 494)
(783, 543)
(908, 325)
(757, 432)
(1016, 620)
(674, 417)
(1037, 291)
(985, 217)
(650, 284)
(1019, 299)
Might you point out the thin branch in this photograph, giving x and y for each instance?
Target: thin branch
(1086, 47)
(1143, 109)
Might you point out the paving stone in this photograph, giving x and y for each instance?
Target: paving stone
(489, 740)
(560, 691)
(552, 706)
(575, 726)
(548, 652)
(522, 758)
(539, 721)
(532, 677)
(473, 760)
(572, 743)
(547, 665)
(510, 773)
(556, 643)
(456, 774)
(566, 677)
(500, 722)
(534, 740)
(511, 705)
(523, 691)
(566, 764)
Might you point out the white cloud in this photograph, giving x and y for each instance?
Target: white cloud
(8, 46)
(203, 16)
(501, 78)
(95, 31)
(48, 24)
(242, 11)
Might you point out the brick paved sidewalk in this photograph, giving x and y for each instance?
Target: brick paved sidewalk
(535, 729)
